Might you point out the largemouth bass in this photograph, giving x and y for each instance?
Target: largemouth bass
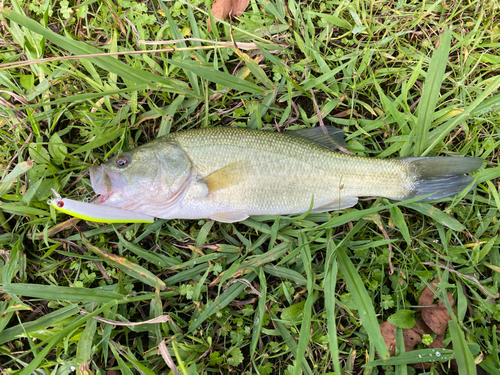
(229, 174)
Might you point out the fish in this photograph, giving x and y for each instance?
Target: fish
(228, 174)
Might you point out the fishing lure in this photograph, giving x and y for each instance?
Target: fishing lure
(97, 213)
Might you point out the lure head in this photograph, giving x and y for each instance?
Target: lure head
(57, 202)
(147, 179)
(64, 205)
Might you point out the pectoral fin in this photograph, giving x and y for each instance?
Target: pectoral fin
(230, 175)
(229, 217)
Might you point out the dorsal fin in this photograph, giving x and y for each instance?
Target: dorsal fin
(328, 137)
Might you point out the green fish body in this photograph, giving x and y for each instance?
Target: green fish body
(228, 174)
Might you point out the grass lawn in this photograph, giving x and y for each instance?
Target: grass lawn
(328, 293)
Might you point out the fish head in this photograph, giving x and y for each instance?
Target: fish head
(147, 179)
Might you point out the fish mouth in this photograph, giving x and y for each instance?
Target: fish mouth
(107, 185)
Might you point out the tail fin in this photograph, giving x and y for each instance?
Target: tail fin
(443, 176)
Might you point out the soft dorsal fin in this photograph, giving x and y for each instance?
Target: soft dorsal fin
(332, 138)
(230, 175)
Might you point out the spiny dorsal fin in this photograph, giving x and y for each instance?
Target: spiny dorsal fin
(230, 175)
(332, 139)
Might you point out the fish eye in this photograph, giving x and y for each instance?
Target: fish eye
(60, 204)
(121, 162)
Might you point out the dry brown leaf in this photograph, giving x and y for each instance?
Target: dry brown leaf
(437, 342)
(411, 339)
(410, 336)
(167, 358)
(224, 8)
(435, 315)
(388, 331)
(421, 328)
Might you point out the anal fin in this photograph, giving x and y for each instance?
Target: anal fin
(338, 204)
(229, 217)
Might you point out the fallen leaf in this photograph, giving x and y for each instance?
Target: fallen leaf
(435, 315)
(411, 339)
(410, 336)
(422, 328)
(224, 8)
(438, 342)
(388, 332)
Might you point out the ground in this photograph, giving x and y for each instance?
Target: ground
(269, 295)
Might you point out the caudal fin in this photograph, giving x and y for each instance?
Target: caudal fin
(443, 176)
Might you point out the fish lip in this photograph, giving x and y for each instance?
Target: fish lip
(105, 183)
(99, 180)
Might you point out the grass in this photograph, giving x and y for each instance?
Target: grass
(270, 295)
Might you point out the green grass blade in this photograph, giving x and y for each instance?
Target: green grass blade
(400, 222)
(463, 356)
(495, 352)
(363, 302)
(20, 209)
(259, 314)
(431, 91)
(400, 369)
(63, 293)
(213, 75)
(51, 319)
(304, 334)
(329, 288)
(305, 256)
(84, 347)
(437, 215)
(285, 273)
